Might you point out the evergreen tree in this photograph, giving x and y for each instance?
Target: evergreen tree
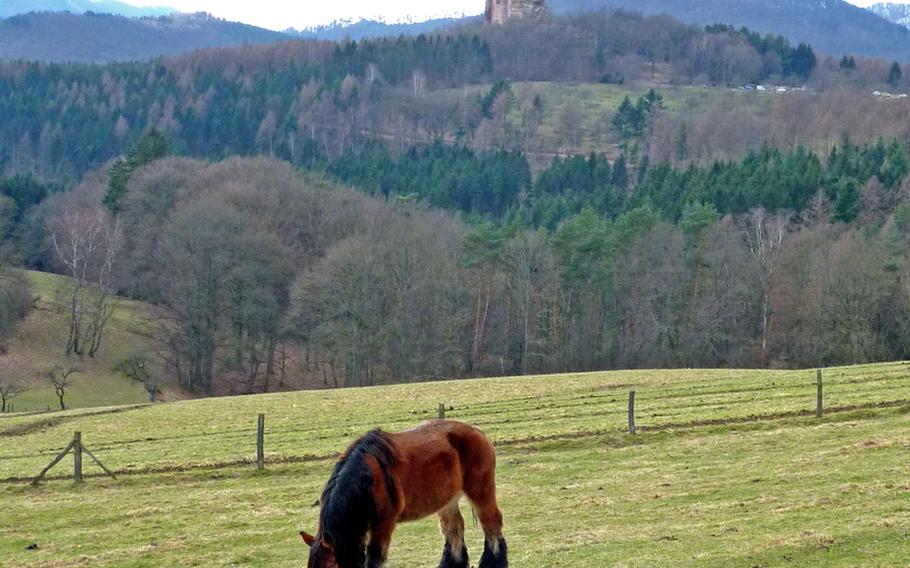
(152, 146)
(621, 174)
(627, 119)
(802, 62)
(895, 75)
(698, 216)
(895, 167)
(848, 202)
(682, 144)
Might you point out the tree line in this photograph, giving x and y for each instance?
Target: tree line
(266, 278)
(856, 180)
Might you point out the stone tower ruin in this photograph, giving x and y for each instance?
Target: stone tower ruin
(500, 11)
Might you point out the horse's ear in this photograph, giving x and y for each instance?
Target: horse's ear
(308, 538)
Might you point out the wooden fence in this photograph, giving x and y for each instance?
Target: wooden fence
(77, 447)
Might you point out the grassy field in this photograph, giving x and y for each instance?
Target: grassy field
(729, 468)
(596, 103)
(39, 344)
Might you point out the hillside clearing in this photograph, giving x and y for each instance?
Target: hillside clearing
(595, 105)
(39, 343)
(730, 468)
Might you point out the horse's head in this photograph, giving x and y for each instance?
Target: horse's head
(322, 550)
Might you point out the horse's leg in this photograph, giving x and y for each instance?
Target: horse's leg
(451, 523)
(380, 539)
(482, 493)
(495, 551)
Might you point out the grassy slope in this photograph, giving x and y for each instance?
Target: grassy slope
(595, 101)
(39, 343)
(730, 469)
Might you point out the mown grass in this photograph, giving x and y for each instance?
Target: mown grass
(39, 344)
(730, 468)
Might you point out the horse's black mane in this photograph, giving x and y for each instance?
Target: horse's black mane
(348, 503)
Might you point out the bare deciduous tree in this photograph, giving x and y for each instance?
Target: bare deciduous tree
(136, 368)
(59, 378)
(765, 234)
(9, 389)
(87, 242)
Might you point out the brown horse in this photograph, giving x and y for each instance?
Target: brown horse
(388, 478)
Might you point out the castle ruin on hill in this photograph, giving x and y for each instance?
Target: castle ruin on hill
(500, 11)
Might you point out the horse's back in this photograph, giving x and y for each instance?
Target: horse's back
(441, 460)
(469, 444)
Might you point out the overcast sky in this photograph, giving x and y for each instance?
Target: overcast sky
(282, 14)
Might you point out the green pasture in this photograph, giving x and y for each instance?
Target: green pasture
(729, 468)
(39, 345)
(596, 103)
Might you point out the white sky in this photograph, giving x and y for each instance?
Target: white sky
(282, 14)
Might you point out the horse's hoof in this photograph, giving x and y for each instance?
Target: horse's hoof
(499, 559)
(448, 561)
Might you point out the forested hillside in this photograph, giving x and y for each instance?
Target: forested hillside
(835, 27)
(100, 38)
(367, 29)
(893, 12)
(15, 7)
(307, 99)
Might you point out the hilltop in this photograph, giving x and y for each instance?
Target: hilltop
(102, 38)
(15, 7)
(893, 12)
(834, 27)
(365, 29)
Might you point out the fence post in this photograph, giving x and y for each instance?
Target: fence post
(819, 410)
(260, 443)
(442, 411)
(77, 457)
(631, 412)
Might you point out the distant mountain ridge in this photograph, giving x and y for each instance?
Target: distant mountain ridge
(104, 38)
(834, 27)
(9, 8)
(893, 12)
(366, 29)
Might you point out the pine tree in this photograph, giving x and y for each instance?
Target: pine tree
(896, 166)
(621, 174)
(895, 75)
(152, 146)
(848, 201)
(682, 144)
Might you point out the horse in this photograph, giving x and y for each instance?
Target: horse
(384, 479)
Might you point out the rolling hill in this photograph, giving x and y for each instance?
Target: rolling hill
(365, 29)
(729, 468)
(831, 26)
(15, 7)
(893, 12)
(102, 38)
(38, 346)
